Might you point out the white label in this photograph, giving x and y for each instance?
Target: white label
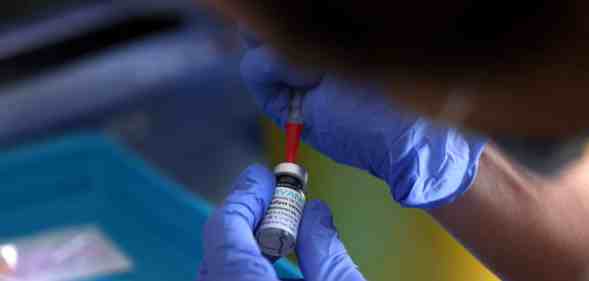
(285, 210)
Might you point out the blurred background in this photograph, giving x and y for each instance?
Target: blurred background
(162, 79)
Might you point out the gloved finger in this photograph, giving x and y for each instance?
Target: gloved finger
(230, 249)
(270, 78)
(322, 256)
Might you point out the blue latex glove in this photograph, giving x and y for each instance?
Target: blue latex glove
(232, 254)
(424, 165)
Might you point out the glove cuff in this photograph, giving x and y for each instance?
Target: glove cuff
(476, 146)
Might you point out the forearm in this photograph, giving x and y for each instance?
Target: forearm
(521, 226)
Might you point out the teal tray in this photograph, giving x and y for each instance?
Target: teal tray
(91, 179)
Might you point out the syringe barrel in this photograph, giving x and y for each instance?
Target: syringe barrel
(295, 109)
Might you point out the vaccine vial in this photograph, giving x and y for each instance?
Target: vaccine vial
(277, 233)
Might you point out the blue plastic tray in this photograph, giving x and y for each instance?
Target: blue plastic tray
(90, 179)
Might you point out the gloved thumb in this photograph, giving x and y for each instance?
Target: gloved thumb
(322, 256)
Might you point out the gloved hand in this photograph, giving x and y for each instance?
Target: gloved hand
(232, 254)
(424, 165)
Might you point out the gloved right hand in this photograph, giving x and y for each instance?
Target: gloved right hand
(352, 123)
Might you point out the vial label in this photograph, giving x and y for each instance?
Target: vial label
(285, 210)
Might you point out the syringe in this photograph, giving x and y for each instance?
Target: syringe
(294, 126)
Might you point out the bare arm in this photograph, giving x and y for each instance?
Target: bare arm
(521, 226)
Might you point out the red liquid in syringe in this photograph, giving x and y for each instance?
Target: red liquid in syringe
(294, 127)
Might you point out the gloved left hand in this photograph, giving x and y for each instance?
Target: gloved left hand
(232, 254)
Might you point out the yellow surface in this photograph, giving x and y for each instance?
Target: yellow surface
(386, 241)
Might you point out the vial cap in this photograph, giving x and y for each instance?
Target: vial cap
(293, 170)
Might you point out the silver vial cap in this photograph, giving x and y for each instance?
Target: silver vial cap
(293, 170)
